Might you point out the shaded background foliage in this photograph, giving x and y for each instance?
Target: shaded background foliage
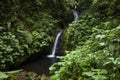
(27, 27)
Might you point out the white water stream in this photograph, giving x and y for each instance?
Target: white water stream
(75, 13)
(55, 45)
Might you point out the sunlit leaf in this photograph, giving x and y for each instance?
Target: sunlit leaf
(3, 75)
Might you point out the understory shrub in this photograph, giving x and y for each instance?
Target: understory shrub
(92, 45)
(97, 59)
(98, 13)
(18, 42)
(27, 28)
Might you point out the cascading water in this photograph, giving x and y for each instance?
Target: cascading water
(75, 13)
(41, 66)
(55, 45)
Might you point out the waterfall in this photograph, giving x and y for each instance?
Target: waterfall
(75, 13)
(55, 45)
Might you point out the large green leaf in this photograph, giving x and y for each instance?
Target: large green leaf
(3, 75)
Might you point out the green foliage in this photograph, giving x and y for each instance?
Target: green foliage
(97, 59)
(5, 75)
(92, 45)
(28, 27)
(17, 41)
(24, 31)
(2, 75)
(78, 32)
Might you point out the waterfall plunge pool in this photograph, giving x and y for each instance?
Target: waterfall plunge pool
(39, 66)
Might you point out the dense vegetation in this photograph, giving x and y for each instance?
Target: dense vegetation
(91, 44)
(28, 27)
